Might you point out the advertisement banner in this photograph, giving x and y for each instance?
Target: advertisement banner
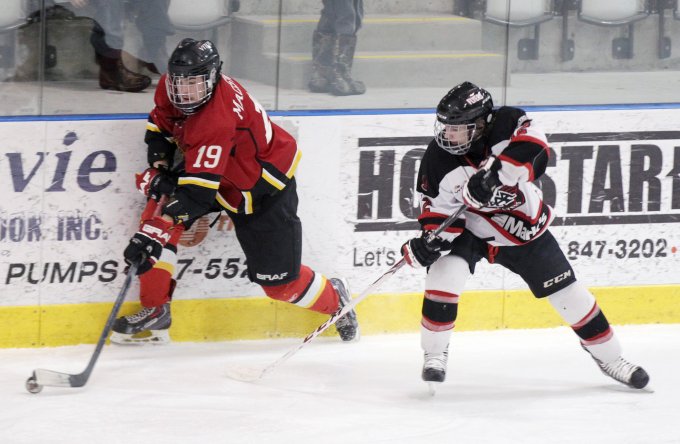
(613, 180)
(69, 204)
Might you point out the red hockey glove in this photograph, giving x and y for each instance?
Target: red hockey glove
(418, 252)
(481, 187)
(147, 244)
(153, 183)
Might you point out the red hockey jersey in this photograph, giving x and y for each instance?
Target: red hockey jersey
(230, 146)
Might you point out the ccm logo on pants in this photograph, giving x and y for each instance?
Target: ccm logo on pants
(556, 279)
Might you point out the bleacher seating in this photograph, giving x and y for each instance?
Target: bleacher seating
(12, 15)
(615, 13)
(186, 16)
(517, 14)
(612, 13)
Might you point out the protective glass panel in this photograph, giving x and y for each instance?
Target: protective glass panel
(106, 56)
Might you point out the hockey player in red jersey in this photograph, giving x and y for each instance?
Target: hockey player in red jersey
(235, 159)
(487, 159)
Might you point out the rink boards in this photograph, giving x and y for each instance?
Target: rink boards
(69, 207)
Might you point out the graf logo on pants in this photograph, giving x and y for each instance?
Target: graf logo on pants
(556, 279)
(271, 277)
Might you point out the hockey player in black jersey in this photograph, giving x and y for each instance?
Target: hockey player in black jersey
(487, 159)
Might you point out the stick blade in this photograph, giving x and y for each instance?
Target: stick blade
(52, 378)
(245, 374)
(58, 379)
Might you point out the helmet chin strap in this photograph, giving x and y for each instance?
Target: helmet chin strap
(480, 128)
(478, 149)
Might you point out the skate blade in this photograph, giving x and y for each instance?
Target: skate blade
(432, 387)
(646, 389)
(154, 337)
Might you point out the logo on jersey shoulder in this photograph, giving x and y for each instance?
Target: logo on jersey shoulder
(522, 125)
(557, 279)
(507, 198)
(238, 98)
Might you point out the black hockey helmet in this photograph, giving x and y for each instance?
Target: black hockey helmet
(462, 115)
(193, 70)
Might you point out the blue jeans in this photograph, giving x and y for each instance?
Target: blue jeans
(341, 17)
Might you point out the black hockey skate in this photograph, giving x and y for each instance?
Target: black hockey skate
(149, 325)
(347, 326)
(626, 373)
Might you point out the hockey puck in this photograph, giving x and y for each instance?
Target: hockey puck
(32, 385)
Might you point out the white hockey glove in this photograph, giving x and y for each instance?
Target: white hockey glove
(481, 187)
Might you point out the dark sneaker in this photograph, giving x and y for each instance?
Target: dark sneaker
(626, 373)
(150, 324)
(347, 326)
(434, 367)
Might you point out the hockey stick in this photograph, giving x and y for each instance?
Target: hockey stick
(42, 377)
(242, 376)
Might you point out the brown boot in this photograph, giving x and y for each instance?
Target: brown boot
(114, 75)
(342, 83)
(322, 58)
(138, 65)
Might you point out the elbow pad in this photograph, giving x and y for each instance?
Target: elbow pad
(159, 149)
(183, 209)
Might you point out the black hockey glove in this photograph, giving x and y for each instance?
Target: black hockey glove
(481, 187)
(418, 252)
(147, 244)
(155, 182)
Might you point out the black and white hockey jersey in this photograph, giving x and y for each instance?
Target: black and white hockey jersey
(516, 214)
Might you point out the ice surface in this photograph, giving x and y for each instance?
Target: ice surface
(511, 386)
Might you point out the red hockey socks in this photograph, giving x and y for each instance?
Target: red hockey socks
(310, 290)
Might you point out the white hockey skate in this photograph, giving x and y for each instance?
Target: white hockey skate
(434, 369)
(624, 372)
(150, 325)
